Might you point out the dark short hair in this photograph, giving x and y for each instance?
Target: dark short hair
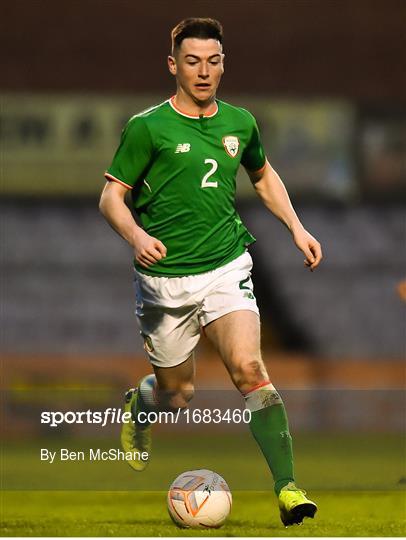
(196, 27)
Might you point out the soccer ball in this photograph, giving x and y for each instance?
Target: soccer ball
(199, 499)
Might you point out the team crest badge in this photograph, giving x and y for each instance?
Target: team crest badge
(231, 145)
(148, 346)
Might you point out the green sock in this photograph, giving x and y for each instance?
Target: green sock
(269, 426)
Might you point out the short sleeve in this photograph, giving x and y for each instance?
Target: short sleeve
(134, 154)
(253, 157)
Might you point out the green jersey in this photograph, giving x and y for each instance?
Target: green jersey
(182, 171)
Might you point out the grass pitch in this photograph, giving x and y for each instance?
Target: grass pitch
(144, 514)
(357, 482)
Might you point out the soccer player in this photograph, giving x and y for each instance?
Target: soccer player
(192, 267)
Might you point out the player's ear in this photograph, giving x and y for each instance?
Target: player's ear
(172, 64)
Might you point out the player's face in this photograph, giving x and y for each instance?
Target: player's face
(198, 67)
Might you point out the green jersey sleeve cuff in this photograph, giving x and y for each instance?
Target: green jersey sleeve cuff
(110, 178)
(260, 170)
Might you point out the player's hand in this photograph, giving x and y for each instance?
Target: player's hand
(147, 249)
(310, 247)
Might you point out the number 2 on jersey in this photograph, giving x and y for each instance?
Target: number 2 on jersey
(205, 180)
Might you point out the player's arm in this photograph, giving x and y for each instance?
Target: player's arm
(273, 194)
(147, 249)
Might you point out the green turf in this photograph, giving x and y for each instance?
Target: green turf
(356, 479)
(144, 514)
(322, 461)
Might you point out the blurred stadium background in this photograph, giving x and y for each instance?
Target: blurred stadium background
(327, 83)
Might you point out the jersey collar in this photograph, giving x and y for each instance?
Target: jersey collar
(194, 116)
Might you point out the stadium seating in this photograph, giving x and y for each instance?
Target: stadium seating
(67, 285)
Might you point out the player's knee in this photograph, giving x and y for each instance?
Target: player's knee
(179, 398)
(248, 373)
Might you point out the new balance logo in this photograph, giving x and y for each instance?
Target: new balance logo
(181, 148)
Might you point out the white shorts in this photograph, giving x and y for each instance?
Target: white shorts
(172, 310)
